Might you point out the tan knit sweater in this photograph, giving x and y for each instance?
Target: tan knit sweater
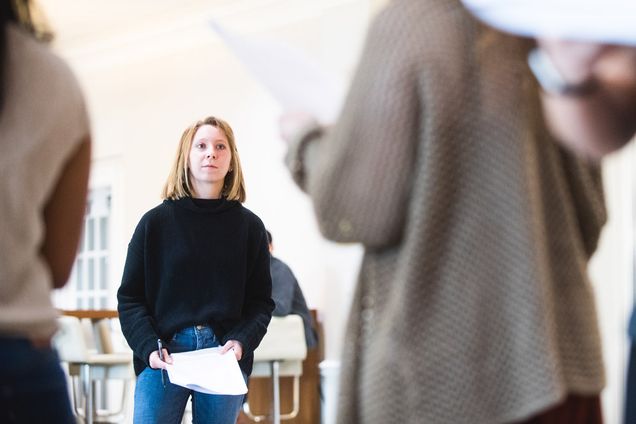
(473, 303)
(43, 121)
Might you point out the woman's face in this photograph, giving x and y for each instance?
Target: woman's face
(209, 159)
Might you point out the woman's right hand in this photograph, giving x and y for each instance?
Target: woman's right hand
(580, 60)
(291, 123)
(575, 60)
(156, 363)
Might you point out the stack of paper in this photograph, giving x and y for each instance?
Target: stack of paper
(606, 21)
(207, 371)
(293, 78)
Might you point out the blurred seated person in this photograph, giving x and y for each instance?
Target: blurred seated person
(288, 296)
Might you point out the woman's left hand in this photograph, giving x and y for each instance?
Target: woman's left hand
(233, 344)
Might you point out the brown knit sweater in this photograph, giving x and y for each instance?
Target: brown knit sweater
(473, 303)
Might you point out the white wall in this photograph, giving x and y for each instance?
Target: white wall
(612, 270)
(144, 87)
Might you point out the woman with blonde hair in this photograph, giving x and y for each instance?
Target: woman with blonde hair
(196, 276)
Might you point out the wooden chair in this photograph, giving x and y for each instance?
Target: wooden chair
(281, 353)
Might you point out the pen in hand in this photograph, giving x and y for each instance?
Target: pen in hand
(163, 376)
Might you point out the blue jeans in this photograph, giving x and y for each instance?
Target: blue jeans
(32, 385)
(630, 396)
(630, 393)
(156, 404)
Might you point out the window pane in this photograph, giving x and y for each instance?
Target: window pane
(103, 273)
(91, 274)
(80, 274)
(103, 233)
(91, 233)
(82, 239)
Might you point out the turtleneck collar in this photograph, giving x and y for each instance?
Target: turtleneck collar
(205, 205)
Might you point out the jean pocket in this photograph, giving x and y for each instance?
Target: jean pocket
(182, 341)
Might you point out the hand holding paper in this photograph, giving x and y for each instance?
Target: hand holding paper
(602, 21)
(235, 346)
(207, 371)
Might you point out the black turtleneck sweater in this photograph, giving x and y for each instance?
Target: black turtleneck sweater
(195, 261)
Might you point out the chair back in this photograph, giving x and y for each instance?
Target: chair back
(105, 337)
(70, 341)
(284, 340)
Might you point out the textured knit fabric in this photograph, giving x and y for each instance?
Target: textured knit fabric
(289, 298)
(36, 141)
(473, 303)
(196, 263)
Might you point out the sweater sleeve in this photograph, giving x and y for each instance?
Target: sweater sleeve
(136, 320)
(359, 172)
(258, 304)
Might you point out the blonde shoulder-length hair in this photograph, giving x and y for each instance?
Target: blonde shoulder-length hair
(178, 185)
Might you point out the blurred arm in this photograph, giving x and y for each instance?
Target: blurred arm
(64, 215)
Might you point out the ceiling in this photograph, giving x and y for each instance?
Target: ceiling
(80, 25)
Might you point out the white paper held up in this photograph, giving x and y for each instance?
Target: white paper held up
(293, 78)
(207, 371)
(604, 21)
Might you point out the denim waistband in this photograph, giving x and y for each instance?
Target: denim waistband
(192, 338)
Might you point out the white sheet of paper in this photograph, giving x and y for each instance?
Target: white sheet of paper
(293, 78)
(207, 371)
(606, 21)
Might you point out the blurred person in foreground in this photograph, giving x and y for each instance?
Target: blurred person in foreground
(44, 166)
(473, 303)
(589, 98)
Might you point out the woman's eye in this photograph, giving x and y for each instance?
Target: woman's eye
(221, 146)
